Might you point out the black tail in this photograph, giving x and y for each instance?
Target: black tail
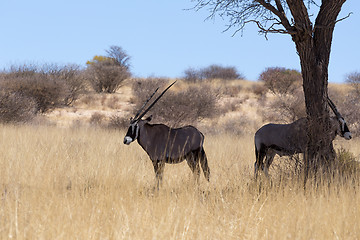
(257, 164)
(204, 164)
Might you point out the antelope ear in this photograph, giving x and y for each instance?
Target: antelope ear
(148, 119)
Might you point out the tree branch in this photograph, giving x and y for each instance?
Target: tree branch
(280, 13)
(341, 19)
(270, 29)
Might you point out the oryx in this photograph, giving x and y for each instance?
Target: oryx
(168, 145)
(289, 139)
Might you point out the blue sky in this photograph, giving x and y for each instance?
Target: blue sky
(161, 37)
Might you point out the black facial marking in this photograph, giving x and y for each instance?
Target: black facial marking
(132, 131)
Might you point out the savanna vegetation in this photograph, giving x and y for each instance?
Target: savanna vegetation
(83, 183)
(65, 173)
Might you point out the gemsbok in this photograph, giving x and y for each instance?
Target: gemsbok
(289, 139)
(164, 144)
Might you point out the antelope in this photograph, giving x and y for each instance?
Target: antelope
(289, 139)
(164, 144)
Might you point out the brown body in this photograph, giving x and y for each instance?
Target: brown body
(167, 145)
(289, 139)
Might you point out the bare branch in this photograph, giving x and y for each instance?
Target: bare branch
(270, 29)
(330, 25)
(280, 13)
(341, 19)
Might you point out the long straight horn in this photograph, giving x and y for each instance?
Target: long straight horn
(333, 107)
(157, 99)
(142, 107)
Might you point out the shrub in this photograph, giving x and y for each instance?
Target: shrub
(16, 108)
(354, 80)
(281, 80)
(104, 76)
(75, 81)
(286, 107)
(45, 88)
(219, 72)
(49, 85)
(212, 72)
(107, 73)
(143, 88)
(346, 164)
(118, 122)
(259, 90)
(349, 107)
(191, 75)
(177, 108)
(289, 102)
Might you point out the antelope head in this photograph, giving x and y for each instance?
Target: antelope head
(344, 130)
(133, 131)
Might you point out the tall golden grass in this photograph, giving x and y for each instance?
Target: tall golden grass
(86, 184)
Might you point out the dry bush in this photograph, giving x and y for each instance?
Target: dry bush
(259, 90)
(177, 108)
(106, 77)
(212, 72)
(191, 75)
(285, 107)
(118, 122)
(232, 91)
(15, 108)
(46, 89)
(49, 85)
(346, 164)
(75, 80)
(288, 103)
(354, 80)
(107, 73)
(97, 118)
(220, 72)
(281, 80)
(349, 107)
(143, 88)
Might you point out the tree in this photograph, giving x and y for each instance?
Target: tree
(313, 44)
(120, 57)
(107, 73)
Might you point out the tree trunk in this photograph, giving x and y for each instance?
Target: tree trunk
(313, 45)
(320, 151)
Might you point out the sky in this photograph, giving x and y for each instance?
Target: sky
(162, 37)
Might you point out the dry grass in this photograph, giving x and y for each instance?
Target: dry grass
(85, 184)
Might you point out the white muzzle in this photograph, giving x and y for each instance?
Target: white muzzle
(127, 140)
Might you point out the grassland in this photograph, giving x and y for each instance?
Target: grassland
(83, 183)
